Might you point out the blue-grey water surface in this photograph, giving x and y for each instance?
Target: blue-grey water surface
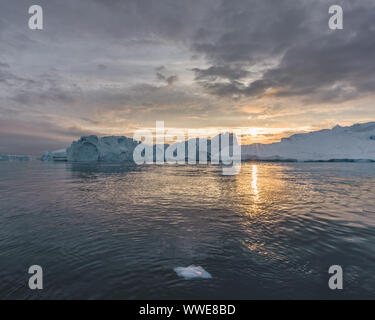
(117, 232)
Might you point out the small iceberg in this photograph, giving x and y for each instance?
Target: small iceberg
(6, 157)
(58, 155)
(192, 272)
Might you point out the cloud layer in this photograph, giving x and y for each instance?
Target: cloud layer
(111, 66)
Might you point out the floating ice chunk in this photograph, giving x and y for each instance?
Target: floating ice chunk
(6, 157)
(192, 272)
(58, 155)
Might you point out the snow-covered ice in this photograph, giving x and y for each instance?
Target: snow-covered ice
(341, 143)
(106, 149)
(192, 272)
(355, 143)
(94, 149)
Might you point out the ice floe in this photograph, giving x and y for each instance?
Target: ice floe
(192, 272)
(7, 157)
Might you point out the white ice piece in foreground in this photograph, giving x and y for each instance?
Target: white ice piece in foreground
(192, 272)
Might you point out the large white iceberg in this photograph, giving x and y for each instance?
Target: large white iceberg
(106, 149)
(355, 143)
(341, 143)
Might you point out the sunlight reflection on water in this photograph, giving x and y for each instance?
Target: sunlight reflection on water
(254, 181)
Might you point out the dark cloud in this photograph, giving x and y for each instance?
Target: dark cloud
(45, 90)
(316, 63)
(220, 72)
(10, 79)
(4, 65)
(170, 80)
(236, 89)
(161, 74)
(102, 67)
(288, 43)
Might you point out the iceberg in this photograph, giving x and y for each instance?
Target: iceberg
(106, 149)
(6, 157)
(354, 143)
(208, 151)
(58, 155)
(192, 272)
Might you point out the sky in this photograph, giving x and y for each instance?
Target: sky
(109, 67)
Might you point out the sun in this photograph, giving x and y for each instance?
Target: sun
(253, 131)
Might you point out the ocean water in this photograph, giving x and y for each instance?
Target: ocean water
(118, 232)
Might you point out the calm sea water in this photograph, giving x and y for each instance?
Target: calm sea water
(116, 232)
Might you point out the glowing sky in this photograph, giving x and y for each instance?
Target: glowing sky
(109, 67)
